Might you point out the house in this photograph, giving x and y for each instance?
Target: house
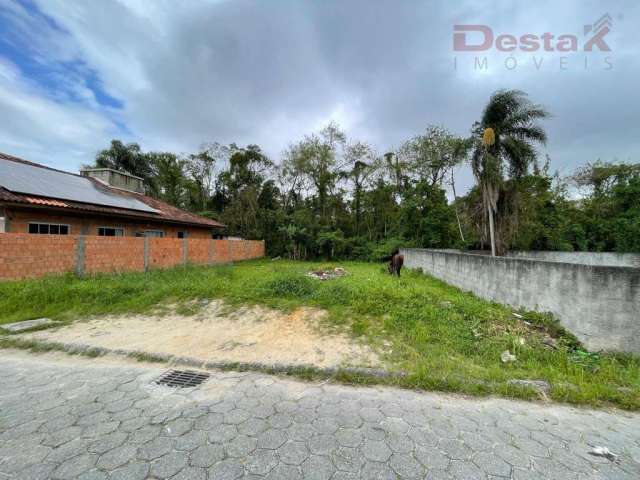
(44, 201)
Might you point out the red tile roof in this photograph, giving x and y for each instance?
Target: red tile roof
(166, 213)
(46, 201)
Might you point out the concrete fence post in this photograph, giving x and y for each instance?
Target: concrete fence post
(80, 253)
(185, 250)
(146, 254)
(4, 220)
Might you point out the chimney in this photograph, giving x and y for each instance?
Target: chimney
(115, 178)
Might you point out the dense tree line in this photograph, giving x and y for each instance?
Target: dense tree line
(335, 197)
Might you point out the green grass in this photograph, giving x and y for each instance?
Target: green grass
(445, 339)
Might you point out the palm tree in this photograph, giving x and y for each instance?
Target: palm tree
(509, 130)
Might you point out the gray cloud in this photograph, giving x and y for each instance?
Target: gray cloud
(269, 72)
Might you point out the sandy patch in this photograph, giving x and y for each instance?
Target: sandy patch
(218, 333)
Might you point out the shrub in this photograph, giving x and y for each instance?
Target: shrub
(382, 249)
(290, 285)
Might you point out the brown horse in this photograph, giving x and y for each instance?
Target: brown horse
(396, 260)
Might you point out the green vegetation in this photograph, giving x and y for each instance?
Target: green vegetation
(334, 197)
(444, 339)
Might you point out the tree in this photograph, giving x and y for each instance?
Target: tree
(544, 213)
(397, 169)
(505, 143)
(626, 208)
(243, 191)
(317, 158)
(170, 179)
(242, 215)
(247, 168)
(201, 168)
(381, 211)
(329, 241)
(361, 158)
(609, 213)
(429, 156)
(459, 153)
(426, 218)
(600, 178)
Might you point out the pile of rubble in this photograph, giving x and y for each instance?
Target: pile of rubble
(328, 274)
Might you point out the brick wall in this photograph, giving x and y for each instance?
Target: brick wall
(221, 251)
(112, 254)
(23, 256)
(199, 251)
(32, 256)
(165, 252)
(242, 250)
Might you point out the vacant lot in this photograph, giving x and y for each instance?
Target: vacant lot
(443, 338)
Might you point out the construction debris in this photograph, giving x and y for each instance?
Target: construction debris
(27, 325)
(328, 274)
(507, 357)
(604, 452)
(539, 385)
(550, 343)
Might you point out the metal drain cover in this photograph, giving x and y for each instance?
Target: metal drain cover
(182, 378)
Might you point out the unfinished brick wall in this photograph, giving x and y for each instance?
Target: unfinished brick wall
(221, 251)
(32, 256)
(242, 250)
(165, 252)
(29, 256)
(113, 254)
(199, 251)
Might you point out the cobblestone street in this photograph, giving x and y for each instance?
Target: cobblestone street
(67, 418)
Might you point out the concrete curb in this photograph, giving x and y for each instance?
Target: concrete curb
(276, 368)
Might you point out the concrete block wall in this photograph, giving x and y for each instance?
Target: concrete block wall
(33, 256)
(610, 259)
(599, 304)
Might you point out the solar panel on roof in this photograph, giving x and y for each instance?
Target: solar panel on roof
(23, 178)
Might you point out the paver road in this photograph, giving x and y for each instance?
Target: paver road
(67, 418)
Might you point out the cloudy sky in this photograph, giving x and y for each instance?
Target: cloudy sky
(171, 75)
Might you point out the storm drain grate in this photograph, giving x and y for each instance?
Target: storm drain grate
(182, 378)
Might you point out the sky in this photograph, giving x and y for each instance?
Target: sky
(174, 75)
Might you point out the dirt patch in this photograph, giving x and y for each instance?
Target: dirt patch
(219, 333)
